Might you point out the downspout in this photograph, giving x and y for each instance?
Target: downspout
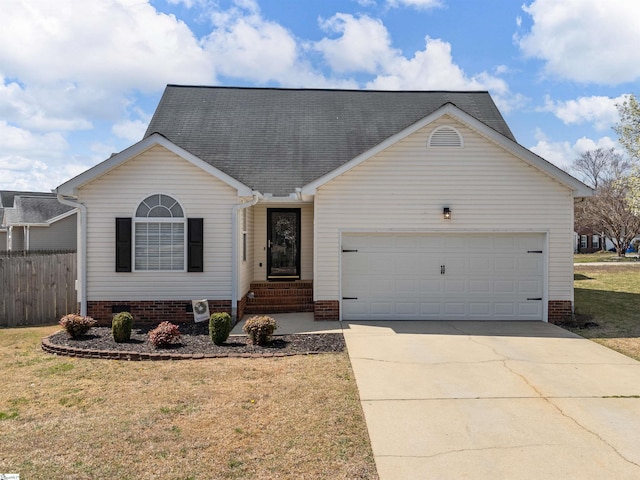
(234, 251)
(82, 250)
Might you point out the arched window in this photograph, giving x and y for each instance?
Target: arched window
(159, 236)
(445, 136)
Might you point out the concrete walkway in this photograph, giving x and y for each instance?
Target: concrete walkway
(495, 400)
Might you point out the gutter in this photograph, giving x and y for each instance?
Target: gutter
(81, 287)
(234, 251)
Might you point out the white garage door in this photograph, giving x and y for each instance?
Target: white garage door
(442, 276)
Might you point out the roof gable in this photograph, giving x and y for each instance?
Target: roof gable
(579, 189)
(275, 140)
(71, 187)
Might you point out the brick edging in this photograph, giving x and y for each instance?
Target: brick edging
(55, 349)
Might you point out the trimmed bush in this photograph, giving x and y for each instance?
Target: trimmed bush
(164, 335)
(219, 327)
(121, 327)
(259, 329)
(76, 325)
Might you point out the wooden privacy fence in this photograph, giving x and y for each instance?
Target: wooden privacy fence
(36, 288)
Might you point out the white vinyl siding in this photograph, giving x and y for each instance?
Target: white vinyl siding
(405, 187)
(60, 235)
(118, 194)
(245, 266)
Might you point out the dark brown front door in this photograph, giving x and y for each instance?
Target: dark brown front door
(283, 243)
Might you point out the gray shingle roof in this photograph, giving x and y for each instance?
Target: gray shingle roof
(274, 140)
(32, 209)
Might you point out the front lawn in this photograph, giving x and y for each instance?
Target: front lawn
(610, 297)
(603, 257)
(288, 418)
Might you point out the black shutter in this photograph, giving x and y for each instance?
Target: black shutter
(195, 245)
(123, 244)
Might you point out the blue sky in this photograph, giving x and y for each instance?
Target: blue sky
(80, 79)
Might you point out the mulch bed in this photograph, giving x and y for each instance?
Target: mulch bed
(193, 344)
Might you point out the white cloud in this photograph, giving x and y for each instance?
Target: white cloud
(434, 69)
(364, 44)
(599, 111)
(585, 40)
(132, 130)
(562, 154)
(244, 45)
(419, 4)
(111, 44)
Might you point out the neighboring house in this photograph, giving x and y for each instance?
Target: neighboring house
(587, 242)
(384, 205)
(36, 221)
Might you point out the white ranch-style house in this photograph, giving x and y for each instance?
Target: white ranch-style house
(355, 205)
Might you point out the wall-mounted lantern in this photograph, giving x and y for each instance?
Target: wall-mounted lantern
(446, 213)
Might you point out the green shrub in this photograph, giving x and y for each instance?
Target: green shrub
(76, 325)
(219, 327)
(121, 326)
(259, 329)
(164, 335)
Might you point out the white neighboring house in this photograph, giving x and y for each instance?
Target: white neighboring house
(382, 205)
(36, 221)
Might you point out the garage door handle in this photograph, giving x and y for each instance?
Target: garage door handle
(534, 251)
(349, 298)
(534, 298)
(349, 251)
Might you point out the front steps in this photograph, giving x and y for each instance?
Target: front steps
(280, 297)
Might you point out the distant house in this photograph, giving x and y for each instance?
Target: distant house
(36, 221)
(355, 205)
(588, 242)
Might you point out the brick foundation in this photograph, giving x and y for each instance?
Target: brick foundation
(151, 312)
(326, 310)
(560, 310)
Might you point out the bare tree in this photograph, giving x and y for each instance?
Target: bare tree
(611, 213)
(599, 166)
(603, 169)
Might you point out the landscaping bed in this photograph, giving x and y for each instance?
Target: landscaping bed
(194, 342)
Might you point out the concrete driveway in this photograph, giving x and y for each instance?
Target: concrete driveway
(495, 400)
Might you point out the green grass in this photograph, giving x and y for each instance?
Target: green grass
(603, 257)
(610, 297)
(286, 418)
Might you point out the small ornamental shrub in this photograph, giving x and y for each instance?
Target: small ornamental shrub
(121, 326)
(164, 335)
(77, 325)
(219, 327)
(259, 329)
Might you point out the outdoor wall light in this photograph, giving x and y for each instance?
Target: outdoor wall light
(446, 213)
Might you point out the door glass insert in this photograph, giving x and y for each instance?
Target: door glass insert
(283, 243)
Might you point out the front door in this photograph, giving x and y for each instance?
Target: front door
(283, 243)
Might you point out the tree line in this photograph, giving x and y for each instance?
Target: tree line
(614, 210)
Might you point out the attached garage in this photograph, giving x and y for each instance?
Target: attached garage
(443, 276)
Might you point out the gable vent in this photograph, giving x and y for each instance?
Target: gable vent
(445, 136)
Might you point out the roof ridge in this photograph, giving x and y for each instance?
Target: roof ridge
(311, 89)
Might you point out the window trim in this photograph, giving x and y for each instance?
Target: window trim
(159, 220)
(584, 241)
(595, 241)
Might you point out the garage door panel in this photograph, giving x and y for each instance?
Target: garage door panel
(481, 286)
(400, 276)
